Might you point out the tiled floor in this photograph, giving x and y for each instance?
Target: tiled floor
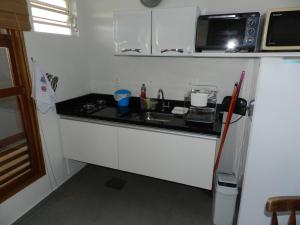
(85, 200)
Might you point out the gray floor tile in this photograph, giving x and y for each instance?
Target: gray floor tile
(85, 200)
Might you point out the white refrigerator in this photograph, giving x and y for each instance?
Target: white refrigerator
(273, 156)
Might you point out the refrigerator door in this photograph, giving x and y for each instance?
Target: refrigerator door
(273, 158)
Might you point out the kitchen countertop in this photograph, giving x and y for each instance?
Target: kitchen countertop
(132, 115)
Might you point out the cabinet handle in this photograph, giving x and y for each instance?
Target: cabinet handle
(132, 50)
(180, 50)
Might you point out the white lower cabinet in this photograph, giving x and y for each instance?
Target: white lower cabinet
(182, 159)
(174, 157)
(90, 142)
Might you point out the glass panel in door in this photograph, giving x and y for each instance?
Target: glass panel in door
(6, 80)
(11, 129)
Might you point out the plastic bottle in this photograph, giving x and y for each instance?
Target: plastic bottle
(143, 91)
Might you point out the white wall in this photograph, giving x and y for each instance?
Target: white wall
(65, 57)
(173, 75)
(272, 167)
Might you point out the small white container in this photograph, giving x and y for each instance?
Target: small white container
(224, 202)
(199, 99)
(180, 110)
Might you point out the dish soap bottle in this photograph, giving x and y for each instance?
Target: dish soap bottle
(143, 91)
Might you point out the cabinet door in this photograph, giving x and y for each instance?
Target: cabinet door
(182, 159)
(173, 31)
(89, 142)
(132, 32)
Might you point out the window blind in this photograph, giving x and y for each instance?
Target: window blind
(51, 16)
(14, 15)
(14, 161)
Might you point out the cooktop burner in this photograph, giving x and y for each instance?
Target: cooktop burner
(92, 107)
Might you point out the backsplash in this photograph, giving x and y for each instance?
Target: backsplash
(174, 75)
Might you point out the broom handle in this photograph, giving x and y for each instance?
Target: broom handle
(235, 95)
(241, 82)
(227, 123)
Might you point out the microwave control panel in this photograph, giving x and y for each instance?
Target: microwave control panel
(251, 31)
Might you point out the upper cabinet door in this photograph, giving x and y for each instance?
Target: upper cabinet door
(173, 31)
(132, 32)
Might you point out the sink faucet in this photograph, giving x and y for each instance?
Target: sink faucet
(160, 95)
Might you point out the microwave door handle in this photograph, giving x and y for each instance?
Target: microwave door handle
(180, 50)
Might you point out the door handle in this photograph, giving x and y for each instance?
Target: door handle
(132, 50)
(180, 50)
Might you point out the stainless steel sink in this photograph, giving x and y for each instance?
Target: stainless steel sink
(158, 117)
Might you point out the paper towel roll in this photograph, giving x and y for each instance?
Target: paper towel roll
(199, 99)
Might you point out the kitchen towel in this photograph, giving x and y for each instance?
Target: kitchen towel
(42, 91)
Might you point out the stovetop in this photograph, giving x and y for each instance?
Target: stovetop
(90, 107)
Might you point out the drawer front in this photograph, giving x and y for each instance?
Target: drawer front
(89, 142)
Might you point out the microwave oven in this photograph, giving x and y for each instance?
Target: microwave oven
(227, 32)
(281, 30)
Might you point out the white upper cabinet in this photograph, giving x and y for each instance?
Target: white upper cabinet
(132, 32)
(174, 30)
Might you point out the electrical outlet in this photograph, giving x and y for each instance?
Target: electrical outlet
(240, 107)
(251, 108)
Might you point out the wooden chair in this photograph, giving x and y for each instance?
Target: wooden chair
(283, 204)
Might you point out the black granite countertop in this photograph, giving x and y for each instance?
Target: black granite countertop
(133, 114)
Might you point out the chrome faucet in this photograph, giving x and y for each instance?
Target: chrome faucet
(160, 95)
